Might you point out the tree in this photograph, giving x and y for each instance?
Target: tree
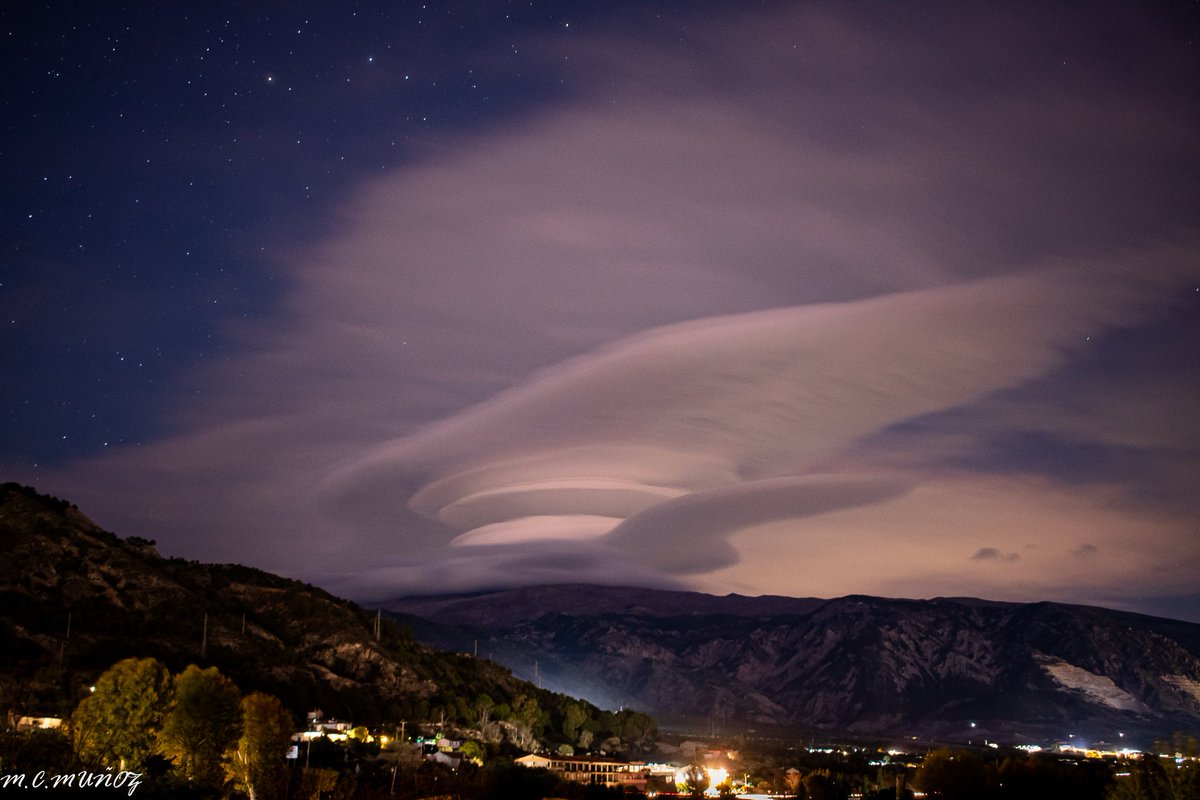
(952, 775)
(792, 778)
(1147, 780)
(202, 724)
(695, 780)
(1046, 777)
(820, 785)
(317, 782)
(638, 729)
(488, 730)
(483, 706)
(258, 763)
(400, 759)
(526, 710)
(473, 751)
(503, 780)
(573, 717)
(1155, 778)
(526, 721)
(38, 749)
(1185, 778)
(118, 724)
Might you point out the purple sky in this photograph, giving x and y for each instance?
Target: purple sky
(805, 299)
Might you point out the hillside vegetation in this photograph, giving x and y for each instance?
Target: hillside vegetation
(75, 599)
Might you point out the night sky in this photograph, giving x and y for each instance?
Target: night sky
(790, 298)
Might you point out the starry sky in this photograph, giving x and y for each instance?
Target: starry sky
(761, 297)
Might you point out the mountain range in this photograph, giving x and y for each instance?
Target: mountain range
(950, 669)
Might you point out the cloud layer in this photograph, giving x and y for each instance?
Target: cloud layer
(687, 435)
(778, 297)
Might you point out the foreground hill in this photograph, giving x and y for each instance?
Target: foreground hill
(74, 599)
(1042, 671)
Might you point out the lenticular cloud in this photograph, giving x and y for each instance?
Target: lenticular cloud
(668, 442)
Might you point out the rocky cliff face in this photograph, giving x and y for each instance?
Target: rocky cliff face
(858, 664)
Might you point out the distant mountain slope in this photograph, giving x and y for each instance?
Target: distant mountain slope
(501, 608)
(866, 664)
(74, 599)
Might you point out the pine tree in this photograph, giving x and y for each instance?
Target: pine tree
(118, 724)
(204, 721)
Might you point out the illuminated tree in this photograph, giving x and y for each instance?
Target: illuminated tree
(473, 751)
(118, 724)
(526, 721)
(695, 780)
(202, 724)
(259, 764)
(483, 708)
(526, 710)
(792, 779)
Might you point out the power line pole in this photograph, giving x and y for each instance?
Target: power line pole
(62, 648)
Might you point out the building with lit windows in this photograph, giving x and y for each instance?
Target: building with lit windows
(606, 772)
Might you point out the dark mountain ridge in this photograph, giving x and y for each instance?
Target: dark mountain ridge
(74, 599)
(508, 606)
(1037, 671)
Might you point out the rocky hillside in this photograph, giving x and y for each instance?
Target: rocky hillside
(74, 599)
(1041, 671)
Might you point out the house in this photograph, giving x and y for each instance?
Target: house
(33, 723)
(585, 769)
